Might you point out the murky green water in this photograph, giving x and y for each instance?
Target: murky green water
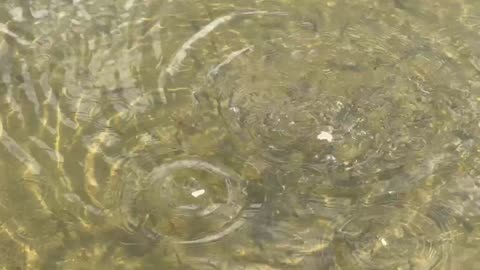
(189, 134)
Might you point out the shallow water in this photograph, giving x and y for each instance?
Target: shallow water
(239, 134)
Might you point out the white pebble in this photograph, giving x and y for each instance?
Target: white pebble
(198, 193)
(383, 241)
(325, 136)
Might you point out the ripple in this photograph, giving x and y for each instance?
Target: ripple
(388, 86)
(19, 153)
(393, 236)
(189, 201)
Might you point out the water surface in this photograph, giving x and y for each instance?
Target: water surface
(239, 134)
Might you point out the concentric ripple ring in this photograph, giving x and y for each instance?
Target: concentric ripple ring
(392, 237)
(158, 202)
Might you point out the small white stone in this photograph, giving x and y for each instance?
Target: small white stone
(198, 193)
(325, 136)
(383, 241)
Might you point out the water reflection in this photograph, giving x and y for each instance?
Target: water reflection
(227, 135)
